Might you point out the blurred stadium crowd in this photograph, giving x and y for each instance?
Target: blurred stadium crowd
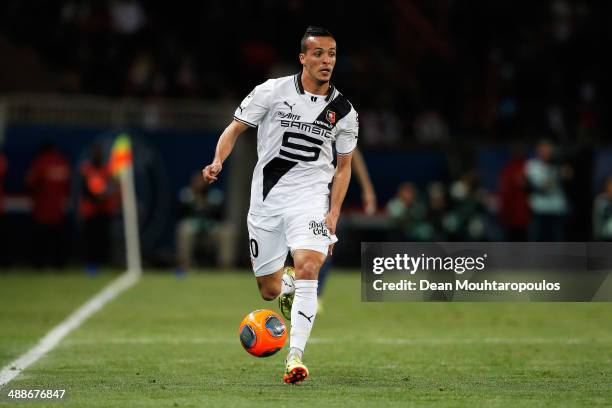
(428, 71)
(455, 77)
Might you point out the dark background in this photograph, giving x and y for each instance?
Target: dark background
(442, 87)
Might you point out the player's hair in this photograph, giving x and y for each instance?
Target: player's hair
(314, 31)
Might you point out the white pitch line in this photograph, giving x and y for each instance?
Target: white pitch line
(47, 343)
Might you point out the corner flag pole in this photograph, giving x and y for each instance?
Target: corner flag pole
(121, 164)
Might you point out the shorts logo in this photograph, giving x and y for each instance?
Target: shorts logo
(331, 116)
(318, 228)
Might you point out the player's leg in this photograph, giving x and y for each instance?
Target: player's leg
(303, 312)
(270, 285)
(268, 249)
(308, 238)
(285, 300)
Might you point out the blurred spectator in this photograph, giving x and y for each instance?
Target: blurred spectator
(144, 77)
(466, 219)
(587, 110)
(3, 168)
(430, 128)
(200, 224)
(186, 77)
(409, 215)
(547, 198)
(514, 211)
(438, 207)
(3, 227)
(380, 127)
(127, 16)
(48, 180)
(602, 213)
(99, 199)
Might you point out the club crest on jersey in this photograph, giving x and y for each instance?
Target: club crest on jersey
(331, 116)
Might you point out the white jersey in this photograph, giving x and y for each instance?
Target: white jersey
(295, 143)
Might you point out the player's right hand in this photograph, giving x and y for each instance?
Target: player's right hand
(211, 172)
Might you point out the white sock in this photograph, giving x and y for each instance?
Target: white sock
(287, 285)
(303, 312)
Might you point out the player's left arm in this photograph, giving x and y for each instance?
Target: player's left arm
(346, 142)
(340, 185)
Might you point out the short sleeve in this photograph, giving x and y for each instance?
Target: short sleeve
(348, 132)
(254, 107)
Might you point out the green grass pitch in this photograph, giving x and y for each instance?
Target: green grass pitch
(169, 342)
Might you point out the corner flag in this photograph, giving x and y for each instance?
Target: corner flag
(120, 165)
(121, 154)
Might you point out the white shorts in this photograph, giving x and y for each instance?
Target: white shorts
(271, 237)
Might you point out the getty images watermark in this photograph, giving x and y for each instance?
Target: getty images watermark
(458, 265)
(469, 271)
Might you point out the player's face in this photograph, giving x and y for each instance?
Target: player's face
(320, 58)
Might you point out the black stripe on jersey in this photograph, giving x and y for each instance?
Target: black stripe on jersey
(273, 171)
(300, 88)
(340, 106)
(330, 93)
(298, 83)
(244, 121)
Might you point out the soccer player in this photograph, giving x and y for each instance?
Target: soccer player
(292, 207)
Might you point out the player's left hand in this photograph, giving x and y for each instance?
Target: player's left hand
(330, 221)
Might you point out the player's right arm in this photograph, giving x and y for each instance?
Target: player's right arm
(225, 145)
(248, 114)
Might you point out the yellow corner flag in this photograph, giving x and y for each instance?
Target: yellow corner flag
(120, 165)
(121, 154)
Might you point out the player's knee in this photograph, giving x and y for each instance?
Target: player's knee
(308, 269)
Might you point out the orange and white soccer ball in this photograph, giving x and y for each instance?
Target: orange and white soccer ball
(262, 333)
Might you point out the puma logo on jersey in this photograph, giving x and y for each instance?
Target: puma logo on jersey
(306, 317)
(288, 115)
